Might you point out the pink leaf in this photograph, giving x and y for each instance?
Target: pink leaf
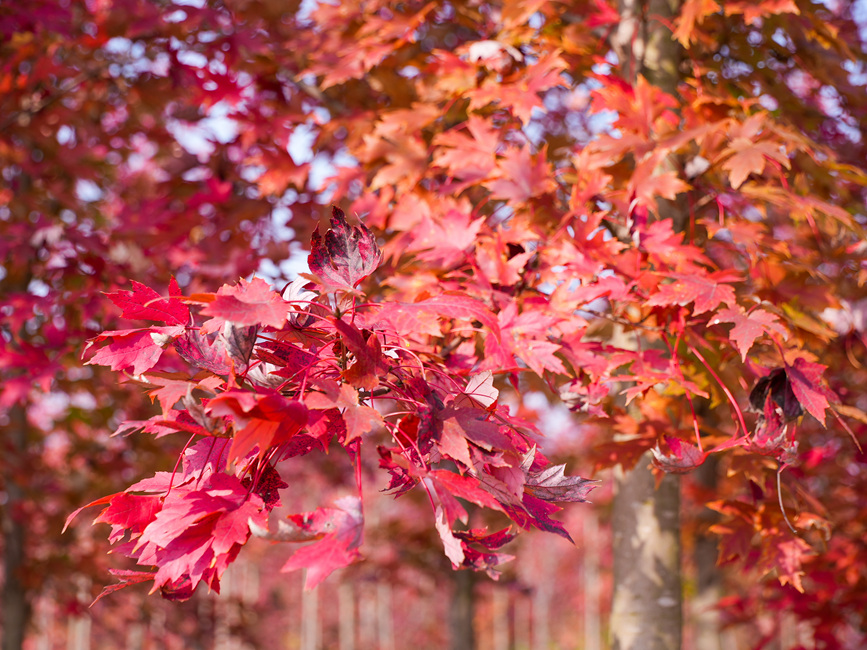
(479, 392)
(339, 533)
(247, 303)
(139, 349)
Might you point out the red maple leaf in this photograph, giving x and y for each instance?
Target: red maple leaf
(536, 512)
(339, 534)
(198, 530)
(358, 419)
(807, 385)
(522, 176)
(747, 327)
(408, 319)
(468, 157)
(139, 349)
(146, 304)
(262, 420)
(345, 257)
(202, 351)
(465, 487)
(169, 389)
(479, 392)
(704, 290)
(246, 303)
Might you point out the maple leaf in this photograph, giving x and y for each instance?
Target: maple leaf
(465, 487)
(446, 238)
(238, 343)
(522, 176)
(479, 392)
(203, 352)
(139, 349)
(776, 387)
(794, 388)
(704, 290)
(681, 459)
(755, 12)
(291, 359)
(522, 97)
(345, 257)
(145, 303)
(127, 578)
(369, 365)
(648, 183)
(484, 561)
(281, 172)
(806, 382)
(169, 390)
(552, 484)
(197, 531)
(748, 157)
(395, 464)
(338, 532)
(206, 457)
(473, 424)
(771, 437)
(451, 545)
(246, 304)
(790, 556)
(468, 157)
(262, 420)
(536, 512)
(747, 327)
(406, 319)
(357, 418)
(692, 13)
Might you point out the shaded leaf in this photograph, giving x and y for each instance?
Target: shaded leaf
(346, 256)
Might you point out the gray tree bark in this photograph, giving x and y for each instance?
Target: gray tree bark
(647, 610)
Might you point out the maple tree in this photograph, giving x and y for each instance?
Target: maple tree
(682, 263)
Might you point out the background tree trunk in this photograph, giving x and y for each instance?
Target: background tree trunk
(647, 611)
(461, 612)
(15, 611)
(647, 608)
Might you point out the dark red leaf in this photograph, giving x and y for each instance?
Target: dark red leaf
(347, 255)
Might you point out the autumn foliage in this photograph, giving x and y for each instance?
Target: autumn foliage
(272, 377)
(684, 269)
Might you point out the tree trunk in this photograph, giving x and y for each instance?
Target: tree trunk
(16, 606)
(461, 612)
(646, 613)
(705, 618)
(647, 608)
